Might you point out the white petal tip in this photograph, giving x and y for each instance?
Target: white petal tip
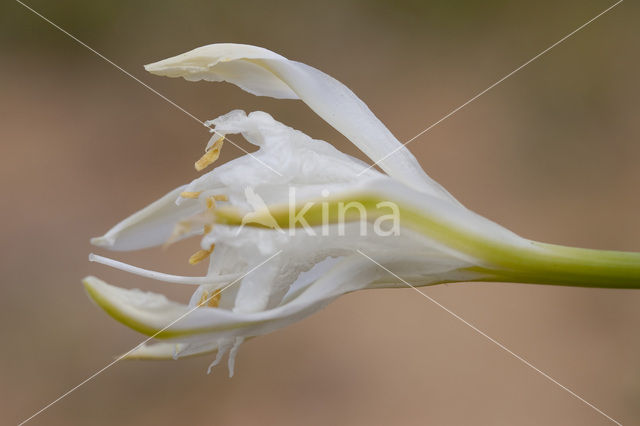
(172, 67)
(122, 304)
(101, 241)
(157, 351)
(91, 283)
(154, 68)
(96, 289)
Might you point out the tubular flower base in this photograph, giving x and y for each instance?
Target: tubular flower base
(284, 229)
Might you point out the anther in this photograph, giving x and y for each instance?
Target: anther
(211, 201)
(209, 299)
(200, 255)
(190, 194)
(211, 155)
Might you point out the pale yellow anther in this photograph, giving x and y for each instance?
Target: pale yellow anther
(211, 155)
(211, 201)
(208, 228)
(200, 255)
(211, 299)
(190, 194)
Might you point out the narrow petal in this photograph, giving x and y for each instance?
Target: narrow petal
(154, 315)
(262, 72)
(150, 226)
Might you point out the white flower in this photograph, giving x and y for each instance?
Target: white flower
(263, 275)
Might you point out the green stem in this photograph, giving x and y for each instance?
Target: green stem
(532, 262)
(569, 266)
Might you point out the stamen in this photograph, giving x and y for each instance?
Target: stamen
(211, 299)
(211, 201)
(200, 255)
(208, 228)
(190, 194)
(211, 155)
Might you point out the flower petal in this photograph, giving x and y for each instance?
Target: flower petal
(154, 315)
(299, 159)
(262, 72)
(232, 62)
(457, 232)
(150, 226)
(165, 350)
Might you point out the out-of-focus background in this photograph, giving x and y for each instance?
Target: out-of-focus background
(552, 153)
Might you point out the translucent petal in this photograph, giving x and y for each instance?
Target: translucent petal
(150, 226)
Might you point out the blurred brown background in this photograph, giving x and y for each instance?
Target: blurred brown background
(551, 153)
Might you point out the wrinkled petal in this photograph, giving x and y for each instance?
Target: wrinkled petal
(262, 72)
(299, 159)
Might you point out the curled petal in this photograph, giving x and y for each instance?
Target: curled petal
(263, 72)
